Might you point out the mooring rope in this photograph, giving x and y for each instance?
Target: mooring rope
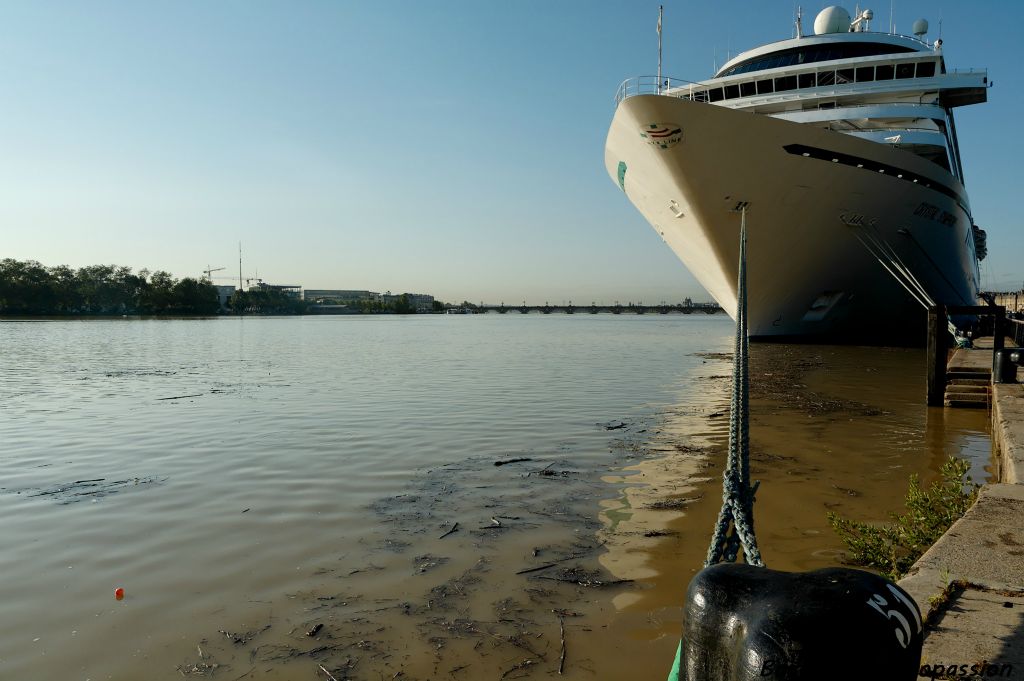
(735, 525)
(888, 258)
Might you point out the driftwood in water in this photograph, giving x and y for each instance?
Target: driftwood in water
(453, 529)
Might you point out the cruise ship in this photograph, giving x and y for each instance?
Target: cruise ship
(839, 149)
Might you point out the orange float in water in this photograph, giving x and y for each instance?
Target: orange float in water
(119, 593)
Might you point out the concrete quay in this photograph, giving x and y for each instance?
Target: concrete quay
(970, 584)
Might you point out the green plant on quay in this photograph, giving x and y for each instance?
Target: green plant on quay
(894, 547)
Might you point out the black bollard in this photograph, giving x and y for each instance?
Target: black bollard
(743, 623)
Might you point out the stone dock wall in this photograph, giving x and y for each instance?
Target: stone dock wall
(970, 584)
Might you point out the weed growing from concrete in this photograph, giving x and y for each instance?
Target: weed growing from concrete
(894, 547)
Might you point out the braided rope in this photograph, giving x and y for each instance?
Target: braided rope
(735, 525)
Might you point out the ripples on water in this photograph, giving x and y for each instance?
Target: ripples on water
(217, 468)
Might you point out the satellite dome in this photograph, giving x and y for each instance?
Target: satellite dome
(920, 27)
(832, 19)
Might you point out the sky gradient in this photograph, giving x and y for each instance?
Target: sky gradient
(451, 148)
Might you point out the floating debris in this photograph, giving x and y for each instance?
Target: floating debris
(95, 488)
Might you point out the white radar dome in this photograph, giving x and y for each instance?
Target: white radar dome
(920, 27)
(833, 19)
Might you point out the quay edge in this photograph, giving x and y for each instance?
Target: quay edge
(981, 618)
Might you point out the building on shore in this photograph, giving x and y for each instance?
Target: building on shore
(224, 294)
(290, 290)
(1013, 301)
(338, 295)
(421, 302)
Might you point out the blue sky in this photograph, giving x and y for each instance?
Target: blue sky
(452, 148)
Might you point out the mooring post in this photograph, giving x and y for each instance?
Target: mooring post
(937, 330)
(998, 341)
(998, 328)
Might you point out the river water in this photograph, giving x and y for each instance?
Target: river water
(251, 481)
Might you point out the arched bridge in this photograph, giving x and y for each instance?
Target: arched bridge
(686, 307)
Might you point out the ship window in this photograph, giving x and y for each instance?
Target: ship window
(806, 80)
(904, 70)
(813, 53)
(748, 89)
(785, 83)
(765, 87)
(934, 153)
(844, 76)
(865, 74)
(715, 94)
(885, 72)
(826, 78)
(732, 91)
(926, 69)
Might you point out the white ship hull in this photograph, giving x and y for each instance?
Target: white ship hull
(809, 274)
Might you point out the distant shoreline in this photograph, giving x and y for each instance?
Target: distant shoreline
(150, 317)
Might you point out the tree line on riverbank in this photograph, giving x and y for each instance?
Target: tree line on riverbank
(30, 288)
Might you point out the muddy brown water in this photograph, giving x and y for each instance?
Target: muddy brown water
(429, 498)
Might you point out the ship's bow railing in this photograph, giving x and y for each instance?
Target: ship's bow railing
(652, 85)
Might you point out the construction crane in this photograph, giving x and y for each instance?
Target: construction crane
(210, 270)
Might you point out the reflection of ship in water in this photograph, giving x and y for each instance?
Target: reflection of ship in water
(849, 167)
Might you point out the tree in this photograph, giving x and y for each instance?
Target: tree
(27, 287)
(190, 296)
(403, 306)
(157, 297)
(65, 287)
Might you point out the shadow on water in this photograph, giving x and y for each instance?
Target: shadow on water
(833, 429)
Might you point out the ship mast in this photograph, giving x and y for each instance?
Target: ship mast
(661, 11)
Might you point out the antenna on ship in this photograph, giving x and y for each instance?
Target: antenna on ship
(799, 21)
(661, 11)
(240, 266)
(863, 21)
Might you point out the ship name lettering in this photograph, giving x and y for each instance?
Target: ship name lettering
(857, 220)
(932, 212)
